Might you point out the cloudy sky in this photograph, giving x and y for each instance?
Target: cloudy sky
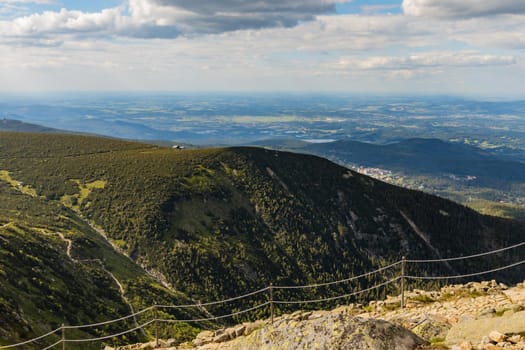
(465, 47)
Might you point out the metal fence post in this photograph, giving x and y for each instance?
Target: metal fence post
(403, 266)
(271, 302)
(156, 327)
(63, 337)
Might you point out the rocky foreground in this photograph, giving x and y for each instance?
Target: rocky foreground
(484, 316)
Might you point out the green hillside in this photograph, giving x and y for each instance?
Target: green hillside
(211, 223)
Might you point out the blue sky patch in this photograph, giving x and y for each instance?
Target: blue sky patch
(369, 7)
(90, 5)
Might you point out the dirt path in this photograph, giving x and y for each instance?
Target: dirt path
(121, 289)
(69, 246)
(157, 276)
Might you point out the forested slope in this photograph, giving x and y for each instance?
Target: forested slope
(217, 223)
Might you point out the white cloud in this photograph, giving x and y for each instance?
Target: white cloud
(248, 64)
(175, 45)
(462, 8)
(428, 60)
(10, 9)
(504, 31)
(50, 23)
(170, 18)
(419, 65)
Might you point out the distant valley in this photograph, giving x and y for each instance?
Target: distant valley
(488, 179)
(234, 119)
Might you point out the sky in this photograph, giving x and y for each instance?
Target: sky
(385, 47)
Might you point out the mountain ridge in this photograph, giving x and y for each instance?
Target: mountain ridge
(217, 223)
(20, 126)
(489, 180)
(419, 155)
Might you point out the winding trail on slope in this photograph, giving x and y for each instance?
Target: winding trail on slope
(69, 247)
(120, 286)
(159, 277)
(69, 243)
(162, 280)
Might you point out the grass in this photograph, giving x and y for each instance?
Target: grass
(74, 201)
(25, 189)
(423, 298)
(462, 293)
(437, 341)
(40, 285)
(85, 189)
(369, 308)
(392, 306)
(88, 244)
(504, 210)
(38, 278)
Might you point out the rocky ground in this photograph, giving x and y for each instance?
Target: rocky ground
(484, 316)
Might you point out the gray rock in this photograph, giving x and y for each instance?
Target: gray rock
(222, 337)
(333, 332)
(475, 330)
(240, 330)
(431, 329)
(496, 337)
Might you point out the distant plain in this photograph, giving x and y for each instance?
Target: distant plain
(485, 136)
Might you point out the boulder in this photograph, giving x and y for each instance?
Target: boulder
(221, 336)
(239, 330)
(203, 337)
(432, 329)
(466, 345)
(496, 337)
(475, 330)
(332, 331)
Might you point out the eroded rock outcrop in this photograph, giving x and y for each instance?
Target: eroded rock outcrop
(336, 330)
(472, 316)
(462, 316)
